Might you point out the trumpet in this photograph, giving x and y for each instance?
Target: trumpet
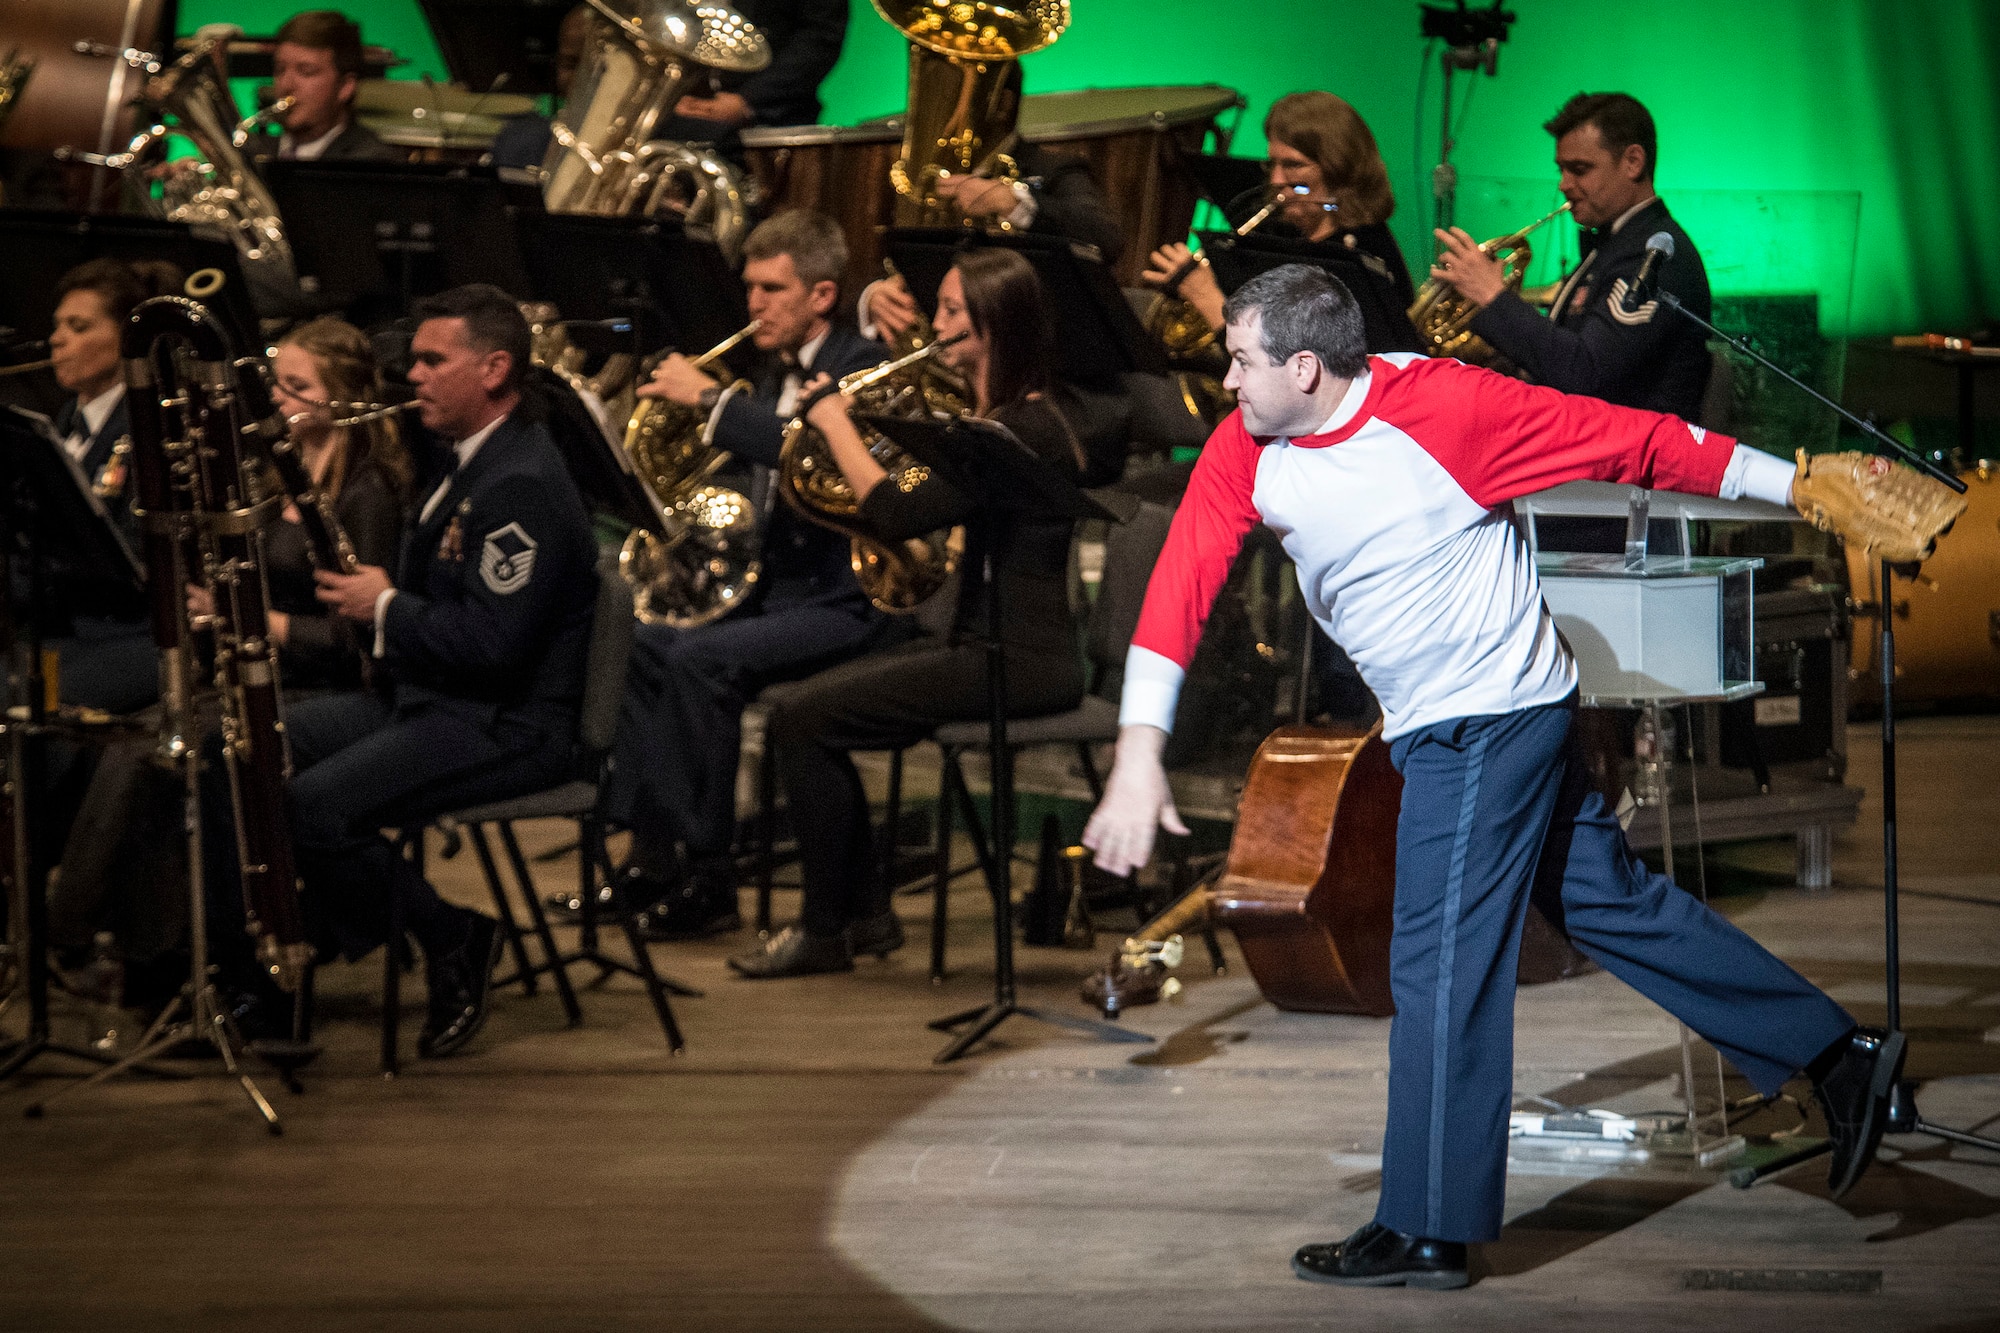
(897, 576)
(1441, 314)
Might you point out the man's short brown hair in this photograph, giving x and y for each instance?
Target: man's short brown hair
(327, 30)
(1620, 119)
(815, 242)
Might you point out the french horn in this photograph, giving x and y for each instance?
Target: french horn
(1442, 316)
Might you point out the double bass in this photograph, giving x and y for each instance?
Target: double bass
(1309, 887)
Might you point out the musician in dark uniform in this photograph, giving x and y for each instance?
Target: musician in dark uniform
(482, 637)
(679, 737)
(107, 658)
(1606, 151)
(318, 63)
(895, 698)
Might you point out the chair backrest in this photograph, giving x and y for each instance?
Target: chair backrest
(1130, 551)
(610, 654)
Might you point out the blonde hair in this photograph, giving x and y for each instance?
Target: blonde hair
(345, 360)
(1333, 134)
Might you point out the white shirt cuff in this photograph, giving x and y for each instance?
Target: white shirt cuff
(861, 320)
(708, 431)
(382, 601)
(1025, 207)
(1152, 689)
(1755, 475)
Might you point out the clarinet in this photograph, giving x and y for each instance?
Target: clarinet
(204, 518)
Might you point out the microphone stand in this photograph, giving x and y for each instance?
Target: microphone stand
(1904, 1117)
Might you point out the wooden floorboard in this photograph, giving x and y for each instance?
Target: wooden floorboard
(805, 1166)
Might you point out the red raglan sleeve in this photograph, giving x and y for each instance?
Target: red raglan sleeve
(1207, 532)
(1500, 438)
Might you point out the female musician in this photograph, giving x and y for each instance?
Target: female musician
(896, 698)
(1317, 141)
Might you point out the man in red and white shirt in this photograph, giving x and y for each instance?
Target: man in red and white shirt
(1389, 478)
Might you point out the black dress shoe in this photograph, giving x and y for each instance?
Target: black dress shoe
(880, 935)
(460, 985)
(1854, 1097)
(793, 953)
(1375, 1256)
(628, 886)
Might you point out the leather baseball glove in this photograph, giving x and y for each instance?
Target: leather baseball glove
(1887, 509)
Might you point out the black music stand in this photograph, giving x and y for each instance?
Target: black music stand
(370, 238)
(677, 289)
(1099, 335)
(42, 246)
(986, 460)
(48, 506)
(483, 41)
(1237, 259)
(1235, 185)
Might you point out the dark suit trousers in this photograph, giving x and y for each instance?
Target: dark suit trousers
(359, 766)
(680, 729)
(885, 702)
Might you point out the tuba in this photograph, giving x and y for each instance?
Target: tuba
(897, 576)
(965, 93)
(219, 189)
(712, 556)
(204, 507)
(1441, 314)
(604, 158)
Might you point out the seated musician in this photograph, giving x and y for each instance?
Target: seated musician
(107, 659)
(1590, 343)
(805, 37)
(895, 698)
(361, 469)
(1319, 142)
(1388, 478)
(479, 646)
(680, 734)
(121, 863)
(1055, 194)
(318, 62)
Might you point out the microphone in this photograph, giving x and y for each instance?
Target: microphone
(1659, 249)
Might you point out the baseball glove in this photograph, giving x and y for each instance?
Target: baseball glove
(1894, 512)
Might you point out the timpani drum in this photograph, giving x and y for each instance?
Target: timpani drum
(1133, 138)
(74, 100)
(1948, 619)
(1136, 140)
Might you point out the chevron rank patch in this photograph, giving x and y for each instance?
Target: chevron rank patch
(507, 560)
(1642, 315)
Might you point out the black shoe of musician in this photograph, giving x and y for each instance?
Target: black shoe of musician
(793, 953)
(1853, 1095)
(1375, 1256)
(461, 983)
(880, 934)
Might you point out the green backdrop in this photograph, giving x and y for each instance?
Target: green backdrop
(1899, 102)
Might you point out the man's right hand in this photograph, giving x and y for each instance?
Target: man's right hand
(891, 308)
(1137, 801)
(677, 380)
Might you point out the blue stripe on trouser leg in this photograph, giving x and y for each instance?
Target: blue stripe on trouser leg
(1477, 794)
(1765, 1018)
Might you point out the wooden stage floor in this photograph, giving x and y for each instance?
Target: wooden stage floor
(805, 1166)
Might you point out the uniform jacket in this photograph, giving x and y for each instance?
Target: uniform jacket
(802, 560)
(806, 37)
(1068, 201)
(356, 143)
(495, 590)
(113, 481)
(1651, 358)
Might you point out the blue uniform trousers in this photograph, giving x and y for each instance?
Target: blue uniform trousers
(680, 729)
(360, 765)
(1494, 808)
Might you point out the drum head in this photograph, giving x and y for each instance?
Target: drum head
(1094, 112)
